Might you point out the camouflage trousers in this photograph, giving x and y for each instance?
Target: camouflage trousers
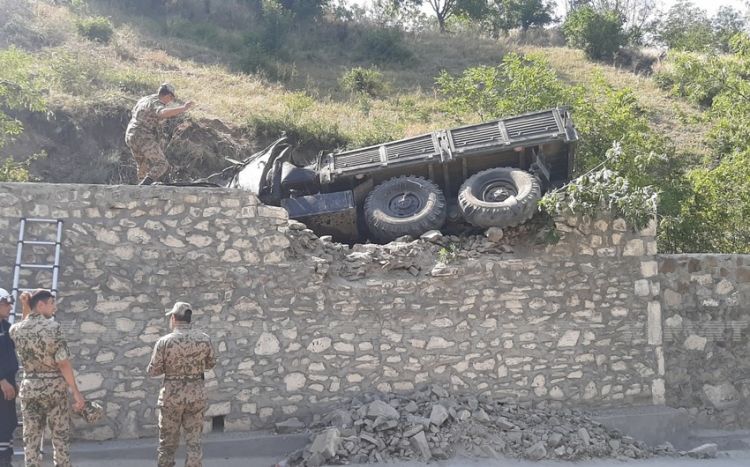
(45, 402)
(188, 417)
(149, 158)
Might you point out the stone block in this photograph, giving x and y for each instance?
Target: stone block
(267, 344)
(326, 443)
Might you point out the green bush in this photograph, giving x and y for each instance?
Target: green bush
(95, 28)
(519, 84)
(686, 74)
(367, 81)
(598, 34)
(384, 45)
(20, 88)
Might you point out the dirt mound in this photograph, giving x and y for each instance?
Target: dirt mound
(197, 149)
(90, 147)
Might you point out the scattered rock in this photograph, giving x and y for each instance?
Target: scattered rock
(494, 234)
(438, 415)
(326, 444)
(704, 451)
(420, 445)
(536, 451)
(432, 236)
(380, 409)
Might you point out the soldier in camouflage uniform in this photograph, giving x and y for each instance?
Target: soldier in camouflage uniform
(48, 375)
(8, 389)
(181, 357)
(142, 134)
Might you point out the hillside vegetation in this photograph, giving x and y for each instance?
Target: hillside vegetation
(333, 78)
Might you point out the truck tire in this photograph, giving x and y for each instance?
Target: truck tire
(500, 197)
(405, 205)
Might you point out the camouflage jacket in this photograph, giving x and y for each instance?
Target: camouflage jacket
(144, 122)
(182, 357)
(40, 344)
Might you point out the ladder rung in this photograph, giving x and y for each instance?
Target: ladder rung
(37, 242)
(31, 219)
(38, 266)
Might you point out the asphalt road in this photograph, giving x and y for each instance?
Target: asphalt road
(266, 449)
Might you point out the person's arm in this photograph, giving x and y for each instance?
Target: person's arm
(210, 357)
(67, 371)
(156, 365)
(25, 308)
(175, 111)
(7, 391)
(62, 360)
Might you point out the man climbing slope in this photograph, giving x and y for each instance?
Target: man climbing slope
(143, 136)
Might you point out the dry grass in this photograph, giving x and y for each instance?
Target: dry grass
(139, 58)
(672, 118)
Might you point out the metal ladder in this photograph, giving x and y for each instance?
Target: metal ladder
(19, 265)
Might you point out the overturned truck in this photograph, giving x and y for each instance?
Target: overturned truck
(490, 174)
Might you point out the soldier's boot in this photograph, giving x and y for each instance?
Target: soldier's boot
(147, 181)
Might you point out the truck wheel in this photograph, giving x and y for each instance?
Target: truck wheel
(404, 205)
(500, 197)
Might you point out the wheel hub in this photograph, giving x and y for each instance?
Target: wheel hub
(404, 205)
(497, 192)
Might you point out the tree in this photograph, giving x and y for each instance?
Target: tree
(445, 9)
(725, 24)
(686, 27)
(597, 33)
(509, 14)
(19, 90)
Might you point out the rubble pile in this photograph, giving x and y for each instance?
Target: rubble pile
(431, 424)
(431, 254)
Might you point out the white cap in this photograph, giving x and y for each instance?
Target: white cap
(5, 296)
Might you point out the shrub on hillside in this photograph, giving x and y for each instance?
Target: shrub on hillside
(96, 28)
(688, 74)
(367, 81)
(384, 45)
(519, 84)
(599, 34)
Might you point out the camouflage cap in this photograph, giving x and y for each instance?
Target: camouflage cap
(92, 412)
(180, 310)
(166, 88)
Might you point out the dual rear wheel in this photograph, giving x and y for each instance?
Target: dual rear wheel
(410, 205)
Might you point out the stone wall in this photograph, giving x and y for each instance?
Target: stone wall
(707, 336)
(300, 323)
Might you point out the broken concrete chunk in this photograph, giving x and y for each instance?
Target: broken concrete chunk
(326, 444)
(338, 418)
(377, 409)
(481, 416)
(536, 451)
(420, 446)
(411, 407)
(584, 435)
(554, 440)
(413, 430)
(704, 451)
(504, 424)
(438, 415)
